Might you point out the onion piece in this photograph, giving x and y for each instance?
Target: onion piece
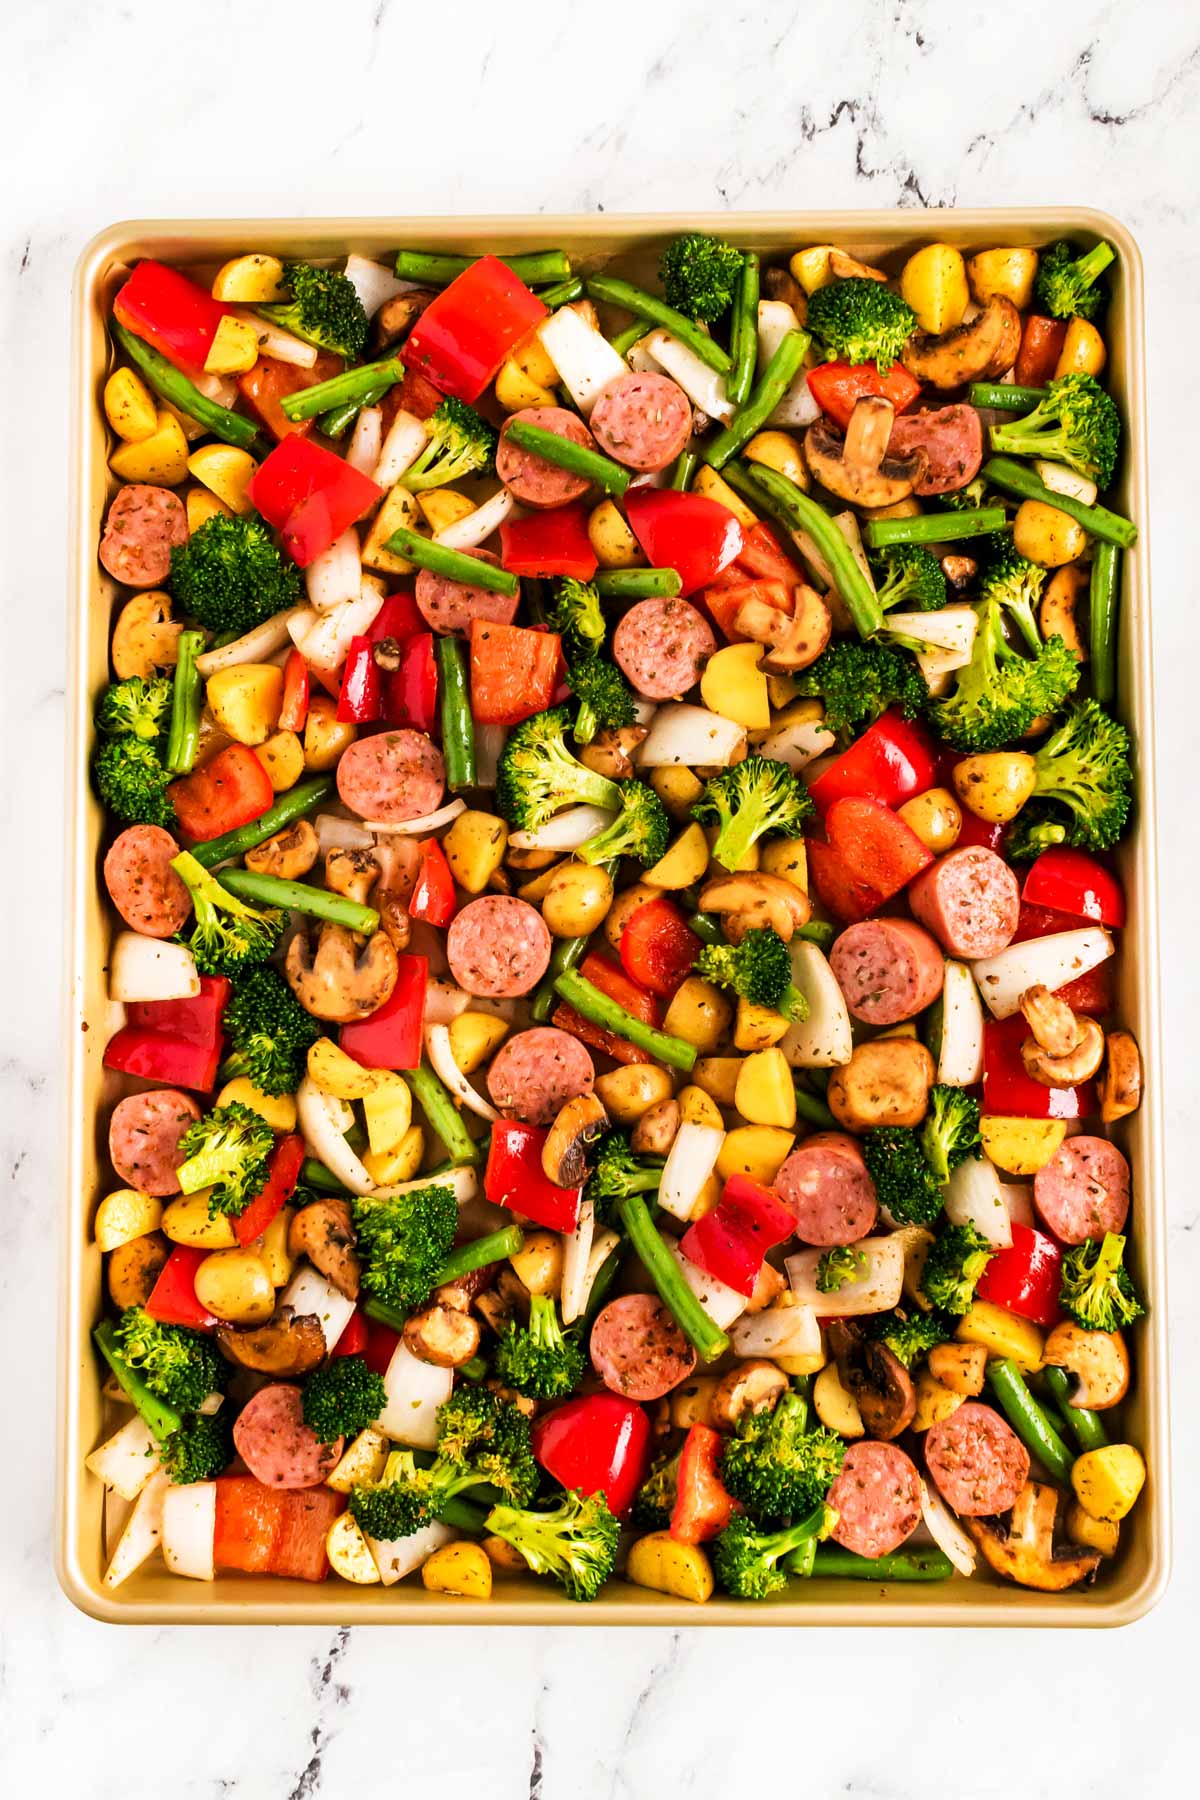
(775, 319)
(778, 1330)
(463, 1184)
(824, 1040)
(702, 385)
(444, 1001)
(309, 1292)
(406, 438)
(797, 745)
(189, 1524)
(1039, 962)
(878, 1287)
(335, 576)
(437, 1044)
(143, 1529)
(577, 1250)
(146, 968)
(256, 645)
(946, 1531)
(690, 734)
(567, 830)
(324, 1122)
(417, 827)
(327, 645)
(300, 623)
(585, 360)
(722, 1303)
(415, 1390)
(1062, 480)
(366, 440)
(372, 282)
(336, 833)
(397, 1557)
(975, 1196)
(489, 742)
(473, 531)
(126, 1461)
(690, 1161)
(274, 341)
(603, 1245)
(960, 1055)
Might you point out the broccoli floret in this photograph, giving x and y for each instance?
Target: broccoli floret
(753, 798)
(182, 1367)
(746, 1560)
(1066, 284)
(1075, 423)
(950, 1133)
(838, 1267)
(577, 614)
(859, 682)
(858, 320)
(999, 693)
(227, 1150)
(909, 577)
(576, 1541)
(343, 1397)
(132, 783)
(699, 275)
(398, 1503)
(200, 1450)
(904, 1181)
(759, 969)
(909, 1336)
(776, 1466)
(655, 1499)
(1016, 584)
(460, 443)
(403, 1241)
(135, 708)
(540, 1360)
(269, 1031)
(324, 310)
(641, 828)
(957, 1258)
(618, 1172)
(537, 775)
(231, 575)
(965, 499)
(479, 1446)
(1095, 1286)
(492, 1436)
(605, 698)
(227, 934)
(1084, 770)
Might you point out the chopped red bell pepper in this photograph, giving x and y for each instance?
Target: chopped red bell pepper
(599, 1444)
(270, 382)
(731, 1241)
(231, 789)
(724, 601)
(196, 1020)
(514, 672)
(432, 898)
(892, 760)
(1042, 340)
(161, 1056)
(695, 536)
(703, 1507)
(413, 394)
(1071, 881)
(1025, 1279)
(870, 855)
(1012, 1093)
(283, 1172)
(355, 1338)
(976, 831)
(173, 1297)
(613, 981)
(380, 1346)
(658, 947)
(514, 1177)
(409, 693)
(297, 692)
(763, 555)
(837, 387)
(463, 336)
(310, 495)
(549, 543)
(390, 1037)
(399, 617)
(360, 701)
(171, 312)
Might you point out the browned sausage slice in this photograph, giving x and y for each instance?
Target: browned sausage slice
(528, 477)
(537, 1072)
(141, 883)
(643, 421)
(275, 1444)
(393, 776)
(144, 1135)
(825, 1184)
(970, 900)
(952, 439)
(638, 1350)
(1083, 1191)
(448, 606)
(143, 526)
(888, 969)
(498, 947)
(978, 1463)
(662, 645)
(878, 1499)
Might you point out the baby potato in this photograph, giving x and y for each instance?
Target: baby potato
(134, 1267)
(1092, 1534)
(442, 507)
(461, 1569)
(279, 1110)
(282, 756)
(272, 1246)
(123, 1215)
(576, 899)
(706, 481)
(628, 1092)
(386, 1167)
(254, 280)
(335, 1073)
(677, 788)
(235, 1285)
(1046, 535)
(129, 407)
(835, 1405)
(1003, 275)
(388, 1112)
(684, 863)
(994, 785)
(234, 348)
(691, 1403)
(811, 267)
(532, 356)
(886, 1082)
(779, 451)
(186, 1220)
(934, 283)
(624, 907)
(1003, 1333)
(325, 735)
(734, 687)
(1020, 1146)
(362, 1462)
(698, 1108)
(765, 1093)
(1108, 1481)
(717, 1077)
(757, 1027)
(934, 1402)
(786, 857)
(699, 1013)
(539, 1262)
(400, 508)
(474, 847)
(660, 1563)
(202, 505)
(473, 1037)
(349, 1552)
(160, 459)
(515, 390)
(227, 471)
(1083, 351)
(935, 817)
(245, 701)
(610, 537)
(758, 1151)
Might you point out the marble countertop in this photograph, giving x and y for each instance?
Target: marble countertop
(123, 109)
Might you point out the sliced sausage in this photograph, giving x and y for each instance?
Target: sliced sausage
(143, 1138)
(662, 645)
(393, 776)
(643, 421)
(978, 1463)
(1083, 1191)
(528, 477)
(970, 900)
(952, 439)
(878, 1499)
(825, 1185)
(638, 1350)
(537, 1072)
(143, 526)
(498, 947)
(143, 886)
(888, 969)
(448, 606)
(275, 1444)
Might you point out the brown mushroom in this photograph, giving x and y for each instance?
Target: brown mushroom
(843, 267)
(1121, 1082)
(609, 751)
(875, 1376)
(768, 1285)
(753, 1386)
(960, 571)
(794, 639)
(397, 316)
(494, 1310)
(959, 1367)
(324, 1232)
(858, 467)
(574, 1131)
(982, 350)
(352, 873)
(1022, 1547)
(344, 980)
(289, 854)
(781, 284)
(753, 901)
(1098, 1360)
(1066, 1048)
(442, 1335)
(657, 1129)
(462, 1293)
(288, 1345)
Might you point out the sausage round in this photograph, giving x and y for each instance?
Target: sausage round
(643, 421)
(970, 900)
(528, 477)
(142, 528)
(662, 645)
(888, 969)
(537, 1072)
(143, 1139)
(141, 883)
(448, 606)
(275, 1444)
(498, 947)
(393, 776)
(978, 1463)
(638, 1350)
(878, 1499)
(825, 1185)
(952, 439)
(1083, 1191)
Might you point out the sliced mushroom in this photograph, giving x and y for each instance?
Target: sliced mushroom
(796, 639)
(752, 1387)
(858, 467)
(494, 1310)
(781, 284)
(1098, 1360)
(344, 980)
(657, 1129)
(960, 571)
(574, 1131)
(1058, 613)
(463, 1293)
(876, 1377)
(324, 1232)
(352, 873)
(398, 859)
(442, 1335)
(1065, 1048)
(288, 1345)
(1023, 1546)
(768, 1285)
(843, 267)
(981, 350)
(397, 316)
(1121, 1082)
(609, 751)
(1054, 1026)
(959, 1367)
(751, 902)
(290, 854)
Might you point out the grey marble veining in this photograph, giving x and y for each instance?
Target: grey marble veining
(126, 109)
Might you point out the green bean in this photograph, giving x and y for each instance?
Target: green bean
(1003, 396)
(288, 807)
(814, 1111)
(171, 384)
(297, 896)
(463, 1514)
(444, 1117)
(591, 1004)
(782, 499)
(1086, 1426)
(769, 390)
(314, 1174)
(494, 1247)
(743, 331)
(647, 306)
(474, 1369)
(819, 1079)
(531, 267)
(161, 1418)
(706, 928)
(624, 341)
(820, 932)
(1029, 1421)
(606, 1274)
(638, 584)
(685, 468)
(1016, 479)
(187, 701)
(898, 1565)
(935, 528)
(589, 465)
(1102, 620)
(563, 293)
(454, 702)
(567, 952)
(451, 563)
(336, 422)
(353, 385)
(701, 1330)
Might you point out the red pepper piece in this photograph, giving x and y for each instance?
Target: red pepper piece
(695, 536)
(1010, 1092)
(196, 1020)
(613, 981)
(1042, 340)
(703, 1507)
(297, 692)
(892, 760)
(432, 898)
(515, 1178)
(731, 1241)
(283, 1172)
(173, 1297)
(355, 1337)
(514, 672)
(871, 854)
(463, 336)
(759, 1210)
(380, 1344)
(399, 617)
(763, 555)
(549, 543)
(161, 1056)
(599, 1444)
(1025, 1279)
(1071, 881)
(975, 831)
(390, 1037)
(837, 387)
(310, 495)
(409, 694)
(230, 790)
(658, 947)
(174, 314)
(360, 701)
(269, 382)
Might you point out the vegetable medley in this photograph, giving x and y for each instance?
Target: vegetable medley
(611, 795)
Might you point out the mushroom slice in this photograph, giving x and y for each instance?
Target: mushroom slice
(290, 1344)
(795, 639)
(442, 1335)
(982, 350)
(574, 1131)
(397, 316)
(858, 467)
(324, 1232)
(751, 902)
(1121, 1083)
(1023, 1548)
(1065, 1049)
(875, 1376)
(843, 266)
(752, 1387)
(1098, 1360)
(290, 854)
(462, 1294)
(352, 873)
(343, 981)
(609, 752)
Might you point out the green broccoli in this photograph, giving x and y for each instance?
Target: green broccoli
(999, 693)
(181, 1366)
(324, 309)
(576, 613)
(132, 783)
(135, 708)
(776, 1466)
(605, 698)
(655, 1500)
(859, 682)
(269, 1031)
(227, 1150)
(950, 1134)
(1066, 284)
(699, 275)
(909, 1336)
(967, 499)
(641, 828)
(342, 1397)
(858, 320)
(909, 577)
(1095, 1287)
(540, 1360)
(404, 1241)
(231, 575)
(1084, 780)
(397, 1504)
(746, 1560)
(192, 1446)
(227, 934)
(957, 1258)
(537, 775)
(1016, 583)
(904, 1182)
(753, 798)
(618, 1172)
(493, 1452)
(575, 1542)
(477, 1429)
(460, 443)
(838, 1267)
(200, 1450)
(759, 970)
(1075, 423)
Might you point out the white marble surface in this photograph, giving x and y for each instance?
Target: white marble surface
(121, 108)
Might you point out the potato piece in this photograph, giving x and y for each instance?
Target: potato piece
(916, 1241)
(707, 1199)
(935, 817)
(628, 1092)
(659, 1563)
(385, 1167)
(624, 907)
(129, 407)
(1083, 351)
(684, 862)
(253, 280)
(717, 1076)
(706, 481)
(1047, 536)
(734, 687)
(786, 857)
(678, 790)
(134, 1267)
(388, 1112)
(886, 1082)
(336, 1073)
(697, 1108)
(474, 847)
(811, 267)
(161, 459)
(201, 507)
(234, 348)
(1107, 1482)
(245, 701)
(749, 861)
(236, 1286)
(461, 1569)
(325, 735)
(934, 1401)
(934, 283)
(691, 1402)
(765, 1093)
(186, 1220)
(758, 1151)
(227, 472)
(473, 1037)
(1002, 1333)
(757, 1027)
(272, 1246)
(349, 1552)
(539, 1262)
(1004, 275)
(123, 1215)
(399, 508)
(780, 451)
(1020, 1146)
(503, 1558)
(1093, 1534)
(282, 756)
(959, 1367)
(515, 390)
(995, 785)
(577, 899)
(835, 1405)
(611, 539)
